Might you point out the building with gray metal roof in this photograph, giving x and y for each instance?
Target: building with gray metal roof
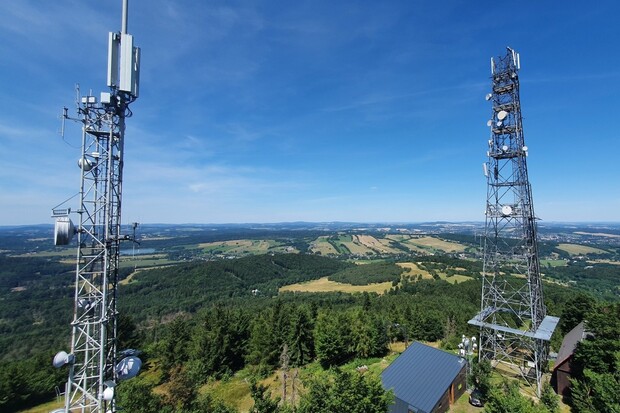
(562, 371)
(425, 380)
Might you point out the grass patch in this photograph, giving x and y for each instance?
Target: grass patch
(413, 271)
(456, 278)
(553, 263)
(46, 407)
(323, 285)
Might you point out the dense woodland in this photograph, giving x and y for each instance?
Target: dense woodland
(201, 321)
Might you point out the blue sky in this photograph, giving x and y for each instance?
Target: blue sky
(271, 111)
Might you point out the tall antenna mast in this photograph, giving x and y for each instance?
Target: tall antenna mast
(95, 364)
(514, 327)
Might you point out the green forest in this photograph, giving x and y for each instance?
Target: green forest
(205, 321)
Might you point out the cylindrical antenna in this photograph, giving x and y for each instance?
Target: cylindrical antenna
(124, 21)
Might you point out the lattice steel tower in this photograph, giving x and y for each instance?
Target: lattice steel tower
(514, 328)
(95, 365)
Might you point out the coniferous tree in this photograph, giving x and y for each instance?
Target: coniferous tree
(301, 338)
(331, 338)
(137, 396)
(262, 344)
(345, 392)
(596, 364)
(173, 347)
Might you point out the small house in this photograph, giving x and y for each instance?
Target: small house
(425, 380)
(562, 373)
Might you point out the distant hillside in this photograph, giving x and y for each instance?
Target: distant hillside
(188, 287)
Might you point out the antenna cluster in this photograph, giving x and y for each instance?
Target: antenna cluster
(95, 364)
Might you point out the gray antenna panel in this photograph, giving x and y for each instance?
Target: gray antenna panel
(136, 78)
(113, 43)
(128, 64)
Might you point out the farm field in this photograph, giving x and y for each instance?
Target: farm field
(240, 246)
(367, 245)
(353, 244)
(379, 245)
(597, 234)
(322, 246)
(577, 249)
(412, 271)
(323, 285)
(427, 244)
(437, 244)
(604, 262)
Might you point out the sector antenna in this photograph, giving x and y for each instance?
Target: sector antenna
(95, 364)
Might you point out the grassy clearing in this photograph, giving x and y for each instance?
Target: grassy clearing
(455, 278)
(553, 263)
(576, 249)
(413, 270)
(323, 285)
(234, 391)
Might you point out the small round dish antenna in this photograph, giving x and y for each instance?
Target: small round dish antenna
(489, 123)
(108, 394)
(506, 210)
(488, 96)
(61, 358)
(128, 368)
(502, 114)
(499, 124)
(85, 164)
(505, 148)
(63, 231)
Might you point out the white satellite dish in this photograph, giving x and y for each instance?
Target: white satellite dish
(489, 96)
(108, 394)
(489, 123)
(61, 358)
(502, 114)
(85, 164)
(505, 148)
(524, 149)
(499, 124)
(506, 210)
(63, 231)
(128, 368)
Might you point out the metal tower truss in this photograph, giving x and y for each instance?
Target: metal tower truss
(95, 365)
(93, 341)
(514, 328)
